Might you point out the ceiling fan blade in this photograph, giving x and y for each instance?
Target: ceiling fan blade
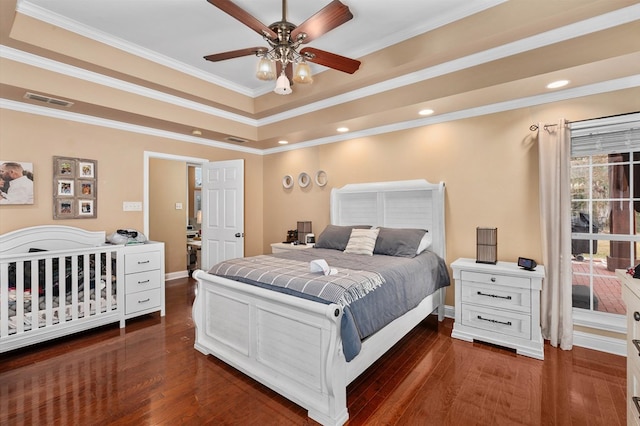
(331, 60)
(235, 54)
(331, 16)
(241, 15)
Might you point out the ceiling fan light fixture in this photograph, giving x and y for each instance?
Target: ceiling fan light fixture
(302, 73)
(266, 69)
(282, 85)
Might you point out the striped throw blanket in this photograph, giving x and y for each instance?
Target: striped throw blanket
(342, 288)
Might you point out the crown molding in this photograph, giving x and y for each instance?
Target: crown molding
(7, 52)
(36, 12)
(562, 95)
(112, 124)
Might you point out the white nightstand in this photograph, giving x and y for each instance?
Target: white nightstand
(144, 279)
(280, 247)
(499, 304)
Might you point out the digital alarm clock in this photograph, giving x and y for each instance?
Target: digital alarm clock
(528, 264)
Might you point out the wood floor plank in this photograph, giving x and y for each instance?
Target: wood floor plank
(149, 373)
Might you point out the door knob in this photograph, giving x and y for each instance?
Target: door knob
(238, 234)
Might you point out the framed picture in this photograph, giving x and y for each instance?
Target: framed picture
(65, 188)
(75, 188)
(16, 182)
(64, 208)
(86, 169)
(86, 188)
(85, 207)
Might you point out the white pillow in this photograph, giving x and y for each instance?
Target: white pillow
(425, 243)
(362, 241)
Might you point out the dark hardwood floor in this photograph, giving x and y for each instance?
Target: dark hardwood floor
(149, 373)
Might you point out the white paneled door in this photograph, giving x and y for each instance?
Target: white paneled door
(222, 211)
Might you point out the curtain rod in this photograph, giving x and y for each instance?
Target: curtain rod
(534, 127)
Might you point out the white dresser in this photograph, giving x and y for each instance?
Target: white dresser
(499, 304)
(631, 297)
(144, 279)
(281, 247)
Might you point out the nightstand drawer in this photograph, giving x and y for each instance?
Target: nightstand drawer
(144, 261)
(518, 299)
(142, 281)
(503, 322)
(142, 300)
(495, 279)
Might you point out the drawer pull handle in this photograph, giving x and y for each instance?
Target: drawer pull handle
(636, 316)
(142, 262)
(494, 321)
(493, 279)
(144, 301)
(636, 401)
(494, 295)
(636, 343)
(143, 282)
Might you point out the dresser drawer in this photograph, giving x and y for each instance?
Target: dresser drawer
(142, 281)
(142, 300)
(517, 299)
(495, 279)
(633, 390)
(497, 321)
(144, 261)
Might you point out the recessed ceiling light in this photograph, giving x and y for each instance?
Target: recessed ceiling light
(342, 129)
(426, 112)
(557, 84)
(283, 142)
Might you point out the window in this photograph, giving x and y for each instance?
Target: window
(605, 218)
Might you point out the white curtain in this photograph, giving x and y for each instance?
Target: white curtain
(554, 151)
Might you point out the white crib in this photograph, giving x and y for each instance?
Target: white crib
(55, 281)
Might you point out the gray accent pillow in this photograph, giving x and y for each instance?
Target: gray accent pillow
(401, 242)
(336, 237)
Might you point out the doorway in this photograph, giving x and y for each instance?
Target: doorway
(176, 242)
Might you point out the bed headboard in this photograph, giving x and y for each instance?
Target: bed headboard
(399, 204)
(49, 237)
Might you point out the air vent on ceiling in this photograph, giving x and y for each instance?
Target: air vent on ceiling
(47, 99)
(235, 139)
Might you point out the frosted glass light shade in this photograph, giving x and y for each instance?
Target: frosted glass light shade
(266, 69)
(302, 73)
(282, 85)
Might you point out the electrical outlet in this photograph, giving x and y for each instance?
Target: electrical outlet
(132, 206)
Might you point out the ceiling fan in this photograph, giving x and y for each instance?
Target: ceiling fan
(284, 38)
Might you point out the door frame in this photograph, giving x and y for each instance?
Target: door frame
(147, 156)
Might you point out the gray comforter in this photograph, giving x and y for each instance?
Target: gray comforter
(405, 283)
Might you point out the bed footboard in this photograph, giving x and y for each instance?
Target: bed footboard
(289, 344)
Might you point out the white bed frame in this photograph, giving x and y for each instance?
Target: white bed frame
(60, 242)
(293, 345)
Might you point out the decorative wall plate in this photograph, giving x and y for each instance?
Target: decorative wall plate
(287, 181)
(321, 178)
(303, 180)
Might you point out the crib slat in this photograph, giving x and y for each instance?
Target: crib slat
(74, 287)
(48, 292)
(62, 289)
(87, 284)
(4, 299)
(19, 297)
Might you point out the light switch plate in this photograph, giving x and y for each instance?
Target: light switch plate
(178, 206)
(132, 206)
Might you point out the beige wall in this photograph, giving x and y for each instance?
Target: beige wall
(168, 186)
(489, 165)
(120, 156)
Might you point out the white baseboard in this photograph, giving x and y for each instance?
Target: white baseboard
(175, 275)
(600, 343)
(584, 340)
